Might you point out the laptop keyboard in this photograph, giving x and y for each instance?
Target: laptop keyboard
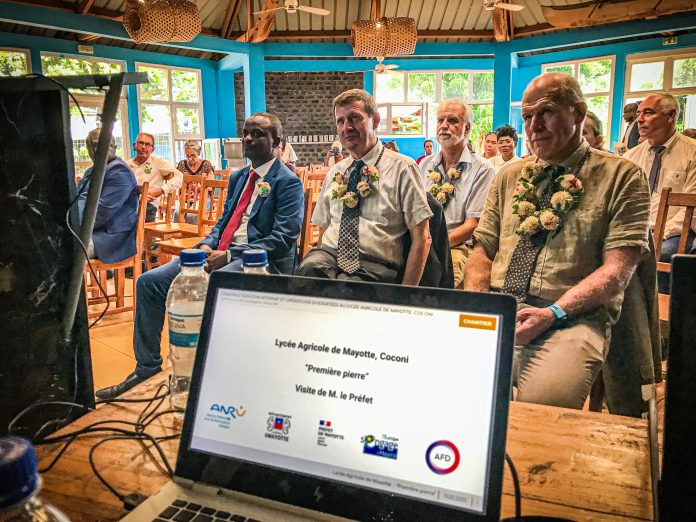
(182, 511)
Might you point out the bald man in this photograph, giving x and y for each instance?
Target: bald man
(567, 268)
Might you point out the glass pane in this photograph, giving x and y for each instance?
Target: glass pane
(52, 65)
(185, 86)
(482, 121)
(684, 73)
(13, 63)
(455, 85)
(567, 69)
(431, 131)
(483, 86)
(600, 106)
(407, 119)
(421, 87)
(187, 121)
(157, 121)
(158, 86)
(687, 112)
(383, 123)
(79, 130)
(390, 87)
(647, 76)
(595, 76)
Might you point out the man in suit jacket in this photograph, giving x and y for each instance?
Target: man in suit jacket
(113, 235)
(631, 136)
(264, 209)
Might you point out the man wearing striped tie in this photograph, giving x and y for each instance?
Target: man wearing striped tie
(264, 209)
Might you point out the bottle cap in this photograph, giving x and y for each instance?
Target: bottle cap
(254, 257)
(192, 257)
(19, 476)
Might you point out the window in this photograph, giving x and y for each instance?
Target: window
(91, 101)
(14, 62)
(171, 108)
(407, 101)
(670, 72)
(596, 78)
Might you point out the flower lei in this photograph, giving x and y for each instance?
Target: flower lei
(263, 189)
(148, 168)
(442, 188)
(525, 200)
(366, 186)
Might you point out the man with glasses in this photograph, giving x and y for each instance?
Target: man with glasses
(162, 176)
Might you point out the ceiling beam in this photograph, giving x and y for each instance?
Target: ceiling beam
(85, 6)
(67, 6)
(502, 24)
(232, 11)
(259, 32)
(343, 34)
(376, 9)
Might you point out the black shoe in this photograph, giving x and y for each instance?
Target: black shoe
(114, 391)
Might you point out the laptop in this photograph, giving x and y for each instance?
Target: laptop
(314, 399)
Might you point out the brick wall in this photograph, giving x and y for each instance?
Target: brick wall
(303, 102)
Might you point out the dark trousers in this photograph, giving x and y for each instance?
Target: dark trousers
(321, 262)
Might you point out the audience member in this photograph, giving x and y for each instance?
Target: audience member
(286, 154)
(490, 145)
(583, 214)
(113, 235)
(334, 155)
(630, 137)
(427, 148)
(592, 130)
(391, 145)
(507, 143)
(264, 209)
(158, 172)
(193, 165)
(458, 179)
(669, 159)
(367, 204)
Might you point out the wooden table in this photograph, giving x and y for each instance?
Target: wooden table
(572, 464)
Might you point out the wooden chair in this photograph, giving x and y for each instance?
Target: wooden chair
(94, 294)
(223, 174)
(671, 199)
(314, 182)
(301, 172)
(212, 202)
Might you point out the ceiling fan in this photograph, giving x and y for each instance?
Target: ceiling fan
(489, 5)
(292, 6)
(381, 68)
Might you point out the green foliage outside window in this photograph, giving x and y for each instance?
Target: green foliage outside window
(483, 86)
(157, 87)
(565, 69)
(483, 121)
(13, 63)
(185, 86)
(684, 73)
(455, 85)
(421, 87)
(595, 76)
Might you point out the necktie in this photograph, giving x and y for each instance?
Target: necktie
(348, 254)
(656, 164)
(523, 260)
(236, 219)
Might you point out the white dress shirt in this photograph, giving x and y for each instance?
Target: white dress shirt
(678, 171)
(240, 236)
(470, 189)
(153, 171)
(497, 162)
(399, 205)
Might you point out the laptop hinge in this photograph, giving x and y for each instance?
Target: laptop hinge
(184, 483)
(205, 489)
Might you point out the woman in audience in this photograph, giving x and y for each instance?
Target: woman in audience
(193, 165)
(286, 154)
(334, 155)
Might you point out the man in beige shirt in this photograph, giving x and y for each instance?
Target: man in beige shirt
(669, 159)
(568, 280)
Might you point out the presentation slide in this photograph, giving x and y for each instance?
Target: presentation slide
(388, 397)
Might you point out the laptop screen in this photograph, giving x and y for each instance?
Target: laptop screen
(393, 398)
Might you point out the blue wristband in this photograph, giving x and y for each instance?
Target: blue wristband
(561, 316)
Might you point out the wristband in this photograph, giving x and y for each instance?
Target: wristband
(561, 316)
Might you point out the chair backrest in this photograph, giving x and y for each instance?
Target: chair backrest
(213, 196)
(303, 240)
(314, 181)
(223, 174)
(189, 196)
(301, 172)
(673, 199)
(140, 230)
(165, 211)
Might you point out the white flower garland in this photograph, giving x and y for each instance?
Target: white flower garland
(441, 188)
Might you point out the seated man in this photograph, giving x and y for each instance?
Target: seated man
(507, 142)
(563, 233)
(458, 179)
(113, 235)
(669, 159)
(367, 203)
(264, 209)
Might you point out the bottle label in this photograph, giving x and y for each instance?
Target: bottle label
(184, 330)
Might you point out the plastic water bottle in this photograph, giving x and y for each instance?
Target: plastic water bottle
(185, 303)
(20, 485)
(255, 261)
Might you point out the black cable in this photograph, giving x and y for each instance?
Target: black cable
(516, 486)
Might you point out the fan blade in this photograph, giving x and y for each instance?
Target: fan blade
(510, 7)
(268, 11)
(313, 10)
(391, 66)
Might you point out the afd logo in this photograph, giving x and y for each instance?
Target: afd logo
(230, 411)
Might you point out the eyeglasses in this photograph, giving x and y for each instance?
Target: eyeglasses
(144, 144)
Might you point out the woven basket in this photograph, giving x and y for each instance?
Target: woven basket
(384, 37)
(161, 20)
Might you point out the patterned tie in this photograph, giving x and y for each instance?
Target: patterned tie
(656, 165)
(348, 240)
(523, 260)
(236, 219)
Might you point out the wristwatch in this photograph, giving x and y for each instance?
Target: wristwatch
(561, 316)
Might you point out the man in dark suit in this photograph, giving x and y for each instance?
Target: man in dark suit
(631, 136)
(264, 209)
(113, 235)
